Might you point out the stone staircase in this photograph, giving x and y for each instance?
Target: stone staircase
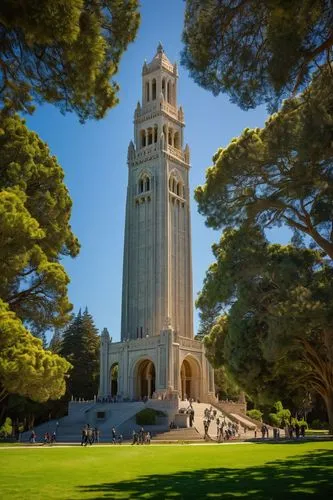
(188, 434)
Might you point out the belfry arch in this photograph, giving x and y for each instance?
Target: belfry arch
(144, 379)
(190, 376)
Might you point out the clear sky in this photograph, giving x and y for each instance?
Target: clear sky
(94, 157)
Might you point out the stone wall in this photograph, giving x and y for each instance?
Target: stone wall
(232, 407)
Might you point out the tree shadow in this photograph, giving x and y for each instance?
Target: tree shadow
(300, 477)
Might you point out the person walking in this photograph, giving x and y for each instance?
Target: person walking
(84, 435)
(113, 433)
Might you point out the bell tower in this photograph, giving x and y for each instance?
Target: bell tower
(157, 269)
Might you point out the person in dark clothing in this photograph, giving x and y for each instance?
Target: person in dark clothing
(84, 435)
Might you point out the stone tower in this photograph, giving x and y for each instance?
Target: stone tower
(157, 272)
(157, 357)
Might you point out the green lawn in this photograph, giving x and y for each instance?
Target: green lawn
(251, 471)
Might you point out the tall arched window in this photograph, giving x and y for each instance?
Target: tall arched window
(144, 184)
(155, 133)
(150, 136)
(153, 89)
(143, 138)
(163, 87)
(169, 91)
(176, 140)
(147, 91)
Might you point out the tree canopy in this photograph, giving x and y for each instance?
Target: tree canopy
(35, 233)
(274, 332)
(280, 174)
(25, 367)
(65, 52)
(256, 51)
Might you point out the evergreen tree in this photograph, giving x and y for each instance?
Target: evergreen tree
(64, 52)
(256, 51)
(80, 346)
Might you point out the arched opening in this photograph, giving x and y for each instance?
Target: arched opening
(141, 186)
(153, 89)
(169, 91)
(173, 94)
(170, 136)
(147, 91)
(143, 138)
(114, 373)
(176, 140)
(147, 183)
(155, 133)
(145, 379)
(150, 136)
(163, 87)
(190, 379)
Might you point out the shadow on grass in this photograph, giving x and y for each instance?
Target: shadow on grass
(300, 477)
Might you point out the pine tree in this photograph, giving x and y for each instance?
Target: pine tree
(80, 345)
(56, 341)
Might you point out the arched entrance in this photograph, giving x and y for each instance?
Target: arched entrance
(114, 372)
(190, 379)
(145, 379)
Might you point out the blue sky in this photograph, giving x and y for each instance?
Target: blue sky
(94, 155)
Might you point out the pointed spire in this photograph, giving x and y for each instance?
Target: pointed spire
(130, 151)
(160, 49)
(187, 154)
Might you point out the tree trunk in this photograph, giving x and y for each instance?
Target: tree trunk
(329, 406)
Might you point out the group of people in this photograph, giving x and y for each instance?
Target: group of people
(49, 438)
(291, 431)
(141, 437)
(294, 430)
(89, 435)
(224, 430)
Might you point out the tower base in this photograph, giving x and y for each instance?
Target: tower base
(165, 366)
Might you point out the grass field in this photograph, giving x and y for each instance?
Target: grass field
(251, 471)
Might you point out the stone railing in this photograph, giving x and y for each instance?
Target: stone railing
(170, 109)
(178, 153)
(146, 108)
(189, 343)
(147, 151)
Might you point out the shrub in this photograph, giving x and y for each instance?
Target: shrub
(274, 420)
(148, 416)
(318, 424)
(255, 414)
(6, 429)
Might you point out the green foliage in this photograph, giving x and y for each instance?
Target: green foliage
(256, 51)
(274, 420)
(255, 414)
(280, 174)
(148, 416)
(80, 346)
(225, 385)
(25, 367)
(65, 52)
(276, 339)
(6, 429)
(278, 406)
(35, 210)
(318, 424)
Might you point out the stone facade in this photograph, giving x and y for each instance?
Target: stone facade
(157, 356)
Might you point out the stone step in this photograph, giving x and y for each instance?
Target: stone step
(188, 434)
